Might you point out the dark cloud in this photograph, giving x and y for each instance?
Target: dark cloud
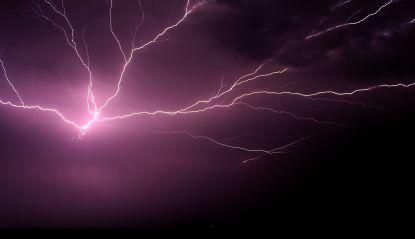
(260, 29)
(277, 29)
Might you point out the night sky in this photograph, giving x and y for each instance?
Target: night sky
(346, 158)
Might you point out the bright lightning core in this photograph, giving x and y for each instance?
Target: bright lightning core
(227, 96)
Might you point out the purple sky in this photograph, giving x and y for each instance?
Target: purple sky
(144, 171)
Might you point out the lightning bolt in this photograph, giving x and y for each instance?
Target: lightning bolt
(351, 23)
(233, 96)
(188, 10)
(114, 35)
(289, 114)
(341, 4)
(10, 83)
(354, 14)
